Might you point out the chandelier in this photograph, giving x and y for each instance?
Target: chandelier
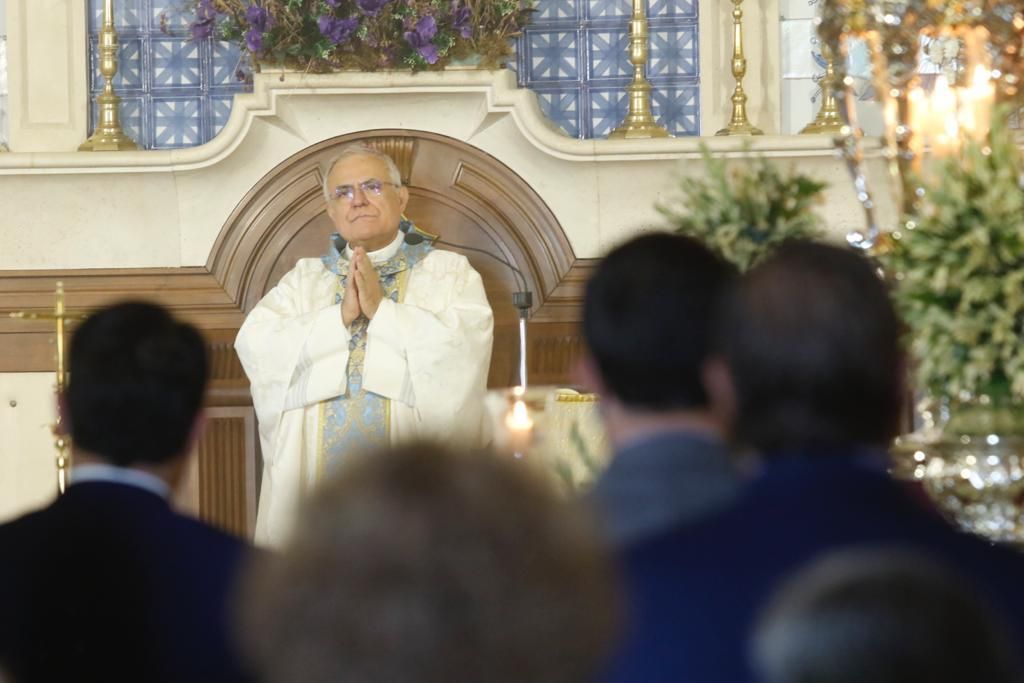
(925, 118)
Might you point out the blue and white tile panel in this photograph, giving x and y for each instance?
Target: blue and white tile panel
(574, 55)
(175, 92)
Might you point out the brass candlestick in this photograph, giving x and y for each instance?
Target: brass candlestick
(60, 316)
(828, 121)
(739, 124)
(108, 136)
(639, 122)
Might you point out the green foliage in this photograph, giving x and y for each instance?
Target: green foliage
(959, 271)
(576, 479)
(744, 211)
(293, 36)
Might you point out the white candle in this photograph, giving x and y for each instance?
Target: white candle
(976, 102)
(944, 129)
(917, 104)
(520, 428)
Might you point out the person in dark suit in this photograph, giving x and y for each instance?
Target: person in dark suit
(647, 323)
(109, 583)
(812, 377)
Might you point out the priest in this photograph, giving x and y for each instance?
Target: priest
(377, 342)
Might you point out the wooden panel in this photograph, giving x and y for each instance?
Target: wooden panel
(401, 149)
(227, 466)
(552, 350)
(27, 345)
(225, 368)
(186, 497)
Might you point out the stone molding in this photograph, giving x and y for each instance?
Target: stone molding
(496, 89)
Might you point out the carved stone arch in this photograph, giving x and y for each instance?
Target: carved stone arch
(457, 191)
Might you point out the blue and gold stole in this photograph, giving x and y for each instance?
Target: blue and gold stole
(360, 419)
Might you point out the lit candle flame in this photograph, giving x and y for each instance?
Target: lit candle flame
(520, 427)
(519, 418)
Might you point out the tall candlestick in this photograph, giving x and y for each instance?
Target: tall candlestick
(60, 315)
(828, 121)
(108, 136)
(738, 123)
(639, 122)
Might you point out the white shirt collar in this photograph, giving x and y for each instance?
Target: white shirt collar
(81, 474)
(382, 254)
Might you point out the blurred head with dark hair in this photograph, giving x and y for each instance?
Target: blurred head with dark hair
(881, 617)
(136, 387)
(647, 323)
(422, 565)
(811, 348)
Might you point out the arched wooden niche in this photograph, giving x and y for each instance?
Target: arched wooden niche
(456, 191)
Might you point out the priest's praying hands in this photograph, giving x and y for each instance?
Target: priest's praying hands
(350, 309)
(363, 293)
(367, 283)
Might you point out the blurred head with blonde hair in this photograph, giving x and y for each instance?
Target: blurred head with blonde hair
(423, 565)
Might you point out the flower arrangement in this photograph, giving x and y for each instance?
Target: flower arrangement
(959, 272)
(744, 211)
(329, 35)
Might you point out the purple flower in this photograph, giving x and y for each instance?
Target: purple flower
(332, 3)
(206, 16)
(259, 19)
(419, 37)
(254, 40)
(260, 22)
(201, 29)
(460, 19)
(205, 10)
(336, 30)
(371, 7)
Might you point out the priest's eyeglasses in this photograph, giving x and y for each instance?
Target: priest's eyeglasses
(371, 186)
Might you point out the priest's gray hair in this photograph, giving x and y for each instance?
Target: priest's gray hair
(360, 149)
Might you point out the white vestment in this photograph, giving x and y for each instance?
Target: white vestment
(429, 354)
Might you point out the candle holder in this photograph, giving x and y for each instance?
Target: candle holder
(515, 418)
(828, 121)
(739, 124)
(108, 136)
(61, 317)
(557, 430)
(639, 122)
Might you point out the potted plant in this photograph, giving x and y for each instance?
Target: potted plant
(958, 272)
(742, 211)
(367, 35)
